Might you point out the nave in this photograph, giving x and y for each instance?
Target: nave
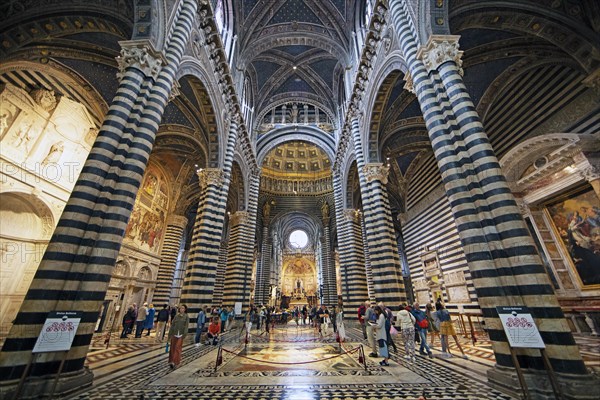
(294, 362)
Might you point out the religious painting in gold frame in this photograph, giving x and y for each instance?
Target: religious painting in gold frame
(575, 219)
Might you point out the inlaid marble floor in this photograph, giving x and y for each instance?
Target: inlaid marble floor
(291, 363)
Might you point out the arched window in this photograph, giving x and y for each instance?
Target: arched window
(224, 20)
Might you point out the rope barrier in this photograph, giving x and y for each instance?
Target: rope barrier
(293, 363)
(293, 341)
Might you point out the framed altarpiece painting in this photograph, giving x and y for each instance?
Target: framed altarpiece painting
(575, 219)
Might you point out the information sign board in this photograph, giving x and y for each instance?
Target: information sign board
(58, 332)
(238, 308)
(520, 327)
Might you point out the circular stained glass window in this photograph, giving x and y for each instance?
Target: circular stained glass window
(298, 239)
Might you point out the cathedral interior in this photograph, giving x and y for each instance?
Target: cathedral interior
(291, 153)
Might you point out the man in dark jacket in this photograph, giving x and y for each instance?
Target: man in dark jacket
(161, 322)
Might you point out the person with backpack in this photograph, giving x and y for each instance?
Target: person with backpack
(421, 327)
(389, 317)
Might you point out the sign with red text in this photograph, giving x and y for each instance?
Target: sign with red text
(58, 332)
(520, 327)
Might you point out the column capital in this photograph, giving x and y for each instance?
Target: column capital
(590, 173)
(409, 85)
(239, 218)
(174, 91)
(376, 171)
(142, 55)
(440, 49)
(177, 220)
(350, 214)
(210, 176)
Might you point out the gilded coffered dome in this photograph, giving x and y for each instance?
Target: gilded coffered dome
(301, 158)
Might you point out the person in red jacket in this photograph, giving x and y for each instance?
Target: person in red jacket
(214, 328)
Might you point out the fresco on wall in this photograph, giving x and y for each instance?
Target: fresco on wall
(146, 224)
(577, 221)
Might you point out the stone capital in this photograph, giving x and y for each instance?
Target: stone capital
(350, 214)
(210, 176)
(140, 54)
(174, 91)
(239, 218)
(440, 49)
(409, 85)
(376, 171)
(177, 220)
(590, 173)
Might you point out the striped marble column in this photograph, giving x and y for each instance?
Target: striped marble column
(350, 247)
(383, 255)
(329, 283)
(368, 270)
(241, 251)
(503, 261)
(77, 266)
(168, 258)
(222, 266)
(199, 283)
(262, 283)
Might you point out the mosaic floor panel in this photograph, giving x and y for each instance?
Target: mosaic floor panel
(261, 370)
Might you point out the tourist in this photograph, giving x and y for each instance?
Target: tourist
(161, 322)
(177, 332)
(361, 318)
(224, 315)
(141, 320)
(149, 323)
(406, 321)
(446, 330)
(339, 320)
(434, 323)
(200, 321)
(421, 326)
(371, 319)
(389, 317)
(214, 328)
(128, 320)
(382, 335)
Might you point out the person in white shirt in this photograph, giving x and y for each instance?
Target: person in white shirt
(406, 321)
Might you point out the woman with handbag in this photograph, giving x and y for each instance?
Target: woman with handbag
(178, 332)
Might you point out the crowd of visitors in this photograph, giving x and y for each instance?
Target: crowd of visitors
(413, 325)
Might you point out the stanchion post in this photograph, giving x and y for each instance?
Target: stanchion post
(520, 375)
(473, 338)
(60, 368)
(362, 354)
(23, 377)
(551, 375)
(219, 358)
